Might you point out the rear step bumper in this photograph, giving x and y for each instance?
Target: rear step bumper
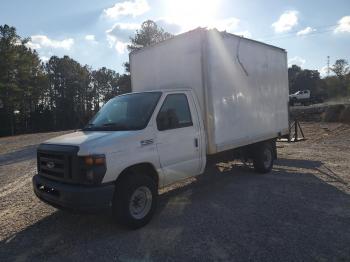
(73, 197)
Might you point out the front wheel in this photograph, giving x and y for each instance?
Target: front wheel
(263, 158)
(135, 200)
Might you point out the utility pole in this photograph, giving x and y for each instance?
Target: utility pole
(328, 66)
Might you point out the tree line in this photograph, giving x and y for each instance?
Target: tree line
(62, 94)
(334, 86)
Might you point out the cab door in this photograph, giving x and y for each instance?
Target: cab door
(177, 139)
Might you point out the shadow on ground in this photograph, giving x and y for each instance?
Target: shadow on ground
(232, 215)
(23, 154)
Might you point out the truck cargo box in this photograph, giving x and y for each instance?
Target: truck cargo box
(241, 84)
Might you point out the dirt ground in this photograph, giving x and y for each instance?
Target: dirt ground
(298, 212)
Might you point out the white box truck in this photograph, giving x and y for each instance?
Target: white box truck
(198, 95)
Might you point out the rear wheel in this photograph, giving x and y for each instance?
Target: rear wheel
(135, 200)
(263, 158)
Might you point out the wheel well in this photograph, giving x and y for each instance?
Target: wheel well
(144, 168)
(252, 149)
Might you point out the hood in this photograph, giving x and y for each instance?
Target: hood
(82, 137)
(102, 142)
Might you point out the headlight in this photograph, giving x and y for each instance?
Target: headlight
(93, 168)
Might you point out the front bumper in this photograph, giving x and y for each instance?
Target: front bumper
(74, 197)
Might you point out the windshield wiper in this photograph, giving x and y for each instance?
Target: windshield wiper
(115, 126)
(107, 127)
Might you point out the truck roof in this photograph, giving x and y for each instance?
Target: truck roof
(161, 90)
(201, 29)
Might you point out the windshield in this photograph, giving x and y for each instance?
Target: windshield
(125, 112)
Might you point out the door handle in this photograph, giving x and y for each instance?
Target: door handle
(146, 142)
(196, 142)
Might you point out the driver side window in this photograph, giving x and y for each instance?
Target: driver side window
(174, 113)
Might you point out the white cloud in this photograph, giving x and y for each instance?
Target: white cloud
(169, 26)
(324, 71)
(32, 45)
(296, 61)
(227, 24)
(122, 31)
(286, 21)
(17, 42)
(118, 36)
(111, 40)
(121, 47)
(44, 58)
(90, 38)
(343, 25)
(126, 26)
(42, 41)
(306, 31)
(132, 8)
(245, 34)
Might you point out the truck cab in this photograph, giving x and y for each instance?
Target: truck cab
(154, 137)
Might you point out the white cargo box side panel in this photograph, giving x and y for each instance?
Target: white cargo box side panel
(250, 99)
(174, 63)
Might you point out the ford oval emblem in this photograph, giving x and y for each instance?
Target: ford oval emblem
(50, 164)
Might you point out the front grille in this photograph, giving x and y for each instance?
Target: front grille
(57, 162)
(52, 164)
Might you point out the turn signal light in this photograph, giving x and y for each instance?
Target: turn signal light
(94, 160)
(99, 161)
(89, 161)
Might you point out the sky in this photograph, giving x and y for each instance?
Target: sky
(96, 33)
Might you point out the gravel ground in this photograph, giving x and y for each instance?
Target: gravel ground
(298, 212)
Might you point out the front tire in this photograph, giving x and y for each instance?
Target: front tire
(135, 200)
(263, 158)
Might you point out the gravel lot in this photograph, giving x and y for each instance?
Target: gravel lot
(298, 212)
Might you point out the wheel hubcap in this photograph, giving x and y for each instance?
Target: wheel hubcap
(267, 158)
(140, 202)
